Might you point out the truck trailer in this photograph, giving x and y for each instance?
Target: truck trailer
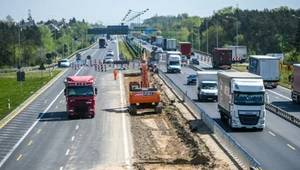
(221, 58)
(171, 44)
(207, 85)
(239, 53)
(242, 99)
(185, 49)
(267, 67)
(295, 80)
(80, 96)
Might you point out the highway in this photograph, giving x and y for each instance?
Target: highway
(277, 147)
(42, 137)
(280, 96)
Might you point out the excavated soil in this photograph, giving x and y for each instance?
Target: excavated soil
(165, 141)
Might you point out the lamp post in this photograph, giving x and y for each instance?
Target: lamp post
(138, 16)
(237, 29)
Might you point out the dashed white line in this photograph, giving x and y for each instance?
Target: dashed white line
(77, 127)
(280, 95)
(30, 129)
(61, 168)
(72, 138)
(67, 153)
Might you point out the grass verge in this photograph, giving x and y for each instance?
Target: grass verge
(284, 80)
(10, 89)
(123, 48)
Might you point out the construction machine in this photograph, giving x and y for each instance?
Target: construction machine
(141, 95)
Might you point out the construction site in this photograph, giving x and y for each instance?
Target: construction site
(169, 137)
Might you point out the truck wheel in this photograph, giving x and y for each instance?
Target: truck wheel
(133, 109)
(260, 129)
(229, 122)
(70, 117)
(92, 116)
(223, 119)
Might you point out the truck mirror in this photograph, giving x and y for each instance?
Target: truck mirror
(267, 99)
(96, 90)
(290, 78)
(65, 91)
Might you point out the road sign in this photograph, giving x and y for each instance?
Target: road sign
(49, 61)
(42, 67)
(148, 31)
(48, 55)
(20, 76)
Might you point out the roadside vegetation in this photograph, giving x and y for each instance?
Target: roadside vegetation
(124, 49)
(10, 88)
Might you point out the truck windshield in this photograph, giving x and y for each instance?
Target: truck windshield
(80, 91)
(174, 63)
(241, 98)
(209, 86)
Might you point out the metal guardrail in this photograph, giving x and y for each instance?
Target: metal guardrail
(131, 50)
(284, 114)
(203, 53)
(224, 138)
(48, 66)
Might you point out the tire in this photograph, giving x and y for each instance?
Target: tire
(223, 119)
(229, 122)
(133, 109)
(92, 116)
(70, 117)
(260, 129)
(188, 83)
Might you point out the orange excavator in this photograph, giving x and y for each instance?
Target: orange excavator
(141, 95)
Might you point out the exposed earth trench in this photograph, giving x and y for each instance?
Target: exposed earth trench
(175, 139)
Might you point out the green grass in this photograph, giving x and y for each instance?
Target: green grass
(10, 89)
(123, 48)
(284, 80)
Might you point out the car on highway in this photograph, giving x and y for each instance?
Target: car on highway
(113, 41)
(195, 61)
(65, 63)
(191, 79)
(183, 59)
(110, 52)
(144, 43)
(108, 60)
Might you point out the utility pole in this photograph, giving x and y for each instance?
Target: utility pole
(206, 36)
(192, 38)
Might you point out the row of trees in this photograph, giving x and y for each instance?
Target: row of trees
(266, 31)
(37, 39)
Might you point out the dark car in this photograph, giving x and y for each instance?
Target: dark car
(191, 79)
(195, 61)
(183, 59)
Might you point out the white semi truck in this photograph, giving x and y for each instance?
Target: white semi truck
(207, 85)
(242, 99)
(267, 67)
(171, 45)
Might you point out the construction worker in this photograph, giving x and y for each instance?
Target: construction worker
(115, 74)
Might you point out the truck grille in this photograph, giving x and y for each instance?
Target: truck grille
(249, 119)
(81, 109)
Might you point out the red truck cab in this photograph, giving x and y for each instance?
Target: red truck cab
(80, 96)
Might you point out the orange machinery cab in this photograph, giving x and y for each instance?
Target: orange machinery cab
(138, 95)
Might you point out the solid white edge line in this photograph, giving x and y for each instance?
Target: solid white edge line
(32, 126)
(126, 145)
(125, 135)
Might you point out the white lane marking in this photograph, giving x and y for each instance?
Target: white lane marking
(280, 95)
(33, 125)
(77, 127)
(61, 168)
(117, 48)
(72, 138)
(126, 145)
(67, 153)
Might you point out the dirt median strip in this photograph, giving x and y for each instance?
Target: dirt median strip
(166, 141)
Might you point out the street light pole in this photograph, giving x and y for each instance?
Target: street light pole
(206, 36)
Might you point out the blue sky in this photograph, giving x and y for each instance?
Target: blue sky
(111, 12)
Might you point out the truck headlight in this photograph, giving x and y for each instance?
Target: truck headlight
(262, 122)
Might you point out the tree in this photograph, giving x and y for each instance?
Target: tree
(9, 18)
